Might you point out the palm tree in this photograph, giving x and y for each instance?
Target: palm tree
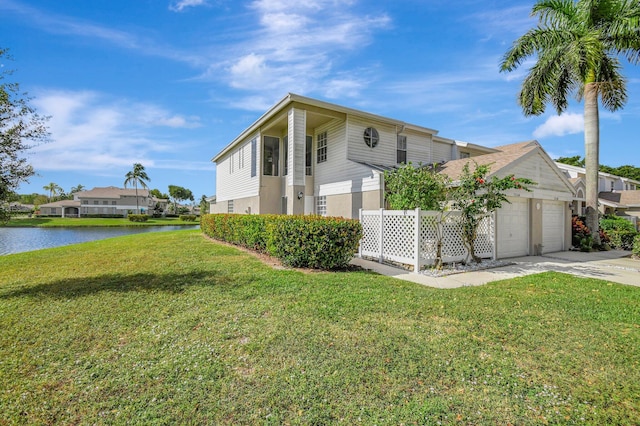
(78, 188)
(578, 45)
(137, 176)
(53, 188)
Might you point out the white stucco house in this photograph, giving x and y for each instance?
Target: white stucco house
(306, 156)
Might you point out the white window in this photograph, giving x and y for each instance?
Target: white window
(308, 153)
(401, 153)
(321, 205)
(254, 155)
(464, 154)
(322, 147)
(271, 156)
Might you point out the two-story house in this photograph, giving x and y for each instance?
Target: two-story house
(308, 156)
(105, 201)
(305, 156)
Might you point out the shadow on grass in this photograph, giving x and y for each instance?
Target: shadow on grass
(71, 288)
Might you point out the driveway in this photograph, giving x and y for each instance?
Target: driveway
(613, 266)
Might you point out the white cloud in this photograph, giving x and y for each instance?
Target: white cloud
(297, 46)
(180, 5)
(560, 125)
(92, 132)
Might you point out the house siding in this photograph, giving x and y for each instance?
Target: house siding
(233, 174)
(541, 172)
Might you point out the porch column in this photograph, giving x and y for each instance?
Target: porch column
(295, 186)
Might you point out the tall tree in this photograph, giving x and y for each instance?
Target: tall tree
(137, 176)
(578, 45)
(53, 189)
(20, 129)
(78, 188)
(179, 193)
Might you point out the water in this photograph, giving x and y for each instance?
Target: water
(16, 240)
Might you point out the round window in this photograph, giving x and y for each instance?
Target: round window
(371, 137)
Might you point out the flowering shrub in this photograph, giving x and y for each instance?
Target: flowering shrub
(581, 234)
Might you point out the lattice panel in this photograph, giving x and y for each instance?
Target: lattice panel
(428, 238)
(399, 232)
(453, 248)
(370, 243)
(485, 237)
(398, 236)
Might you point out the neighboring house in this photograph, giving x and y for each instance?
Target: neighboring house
(616, 195)
(307, 156)
(105, 201)
(21, 208)
(625, 204)
(63, 208)
(533, 222)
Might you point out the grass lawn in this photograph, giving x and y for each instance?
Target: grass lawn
(169, 328)
(51, 222)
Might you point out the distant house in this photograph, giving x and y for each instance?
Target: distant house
(105, 201)
(305, 156)
(616, 195)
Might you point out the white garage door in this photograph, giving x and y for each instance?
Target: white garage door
(513, 228)
(552, 226)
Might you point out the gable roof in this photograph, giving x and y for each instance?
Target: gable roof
(505, 157)
(62, 203)
(622, 198)
(292, 98)
(112, 192)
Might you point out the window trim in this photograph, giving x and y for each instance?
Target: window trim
(401, 149)
(321, 147)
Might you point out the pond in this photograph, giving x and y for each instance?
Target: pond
(16, 240)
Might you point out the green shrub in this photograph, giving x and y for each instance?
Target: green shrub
(621, 240)
(636, 246)
(298, 241)
(188, 217)
(314, 241)
(616, 223)
(244, 230)
(138, 217)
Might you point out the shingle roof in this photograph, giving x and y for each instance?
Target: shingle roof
(112, 192)
(498, 160)
(622, 198)
(62, 203)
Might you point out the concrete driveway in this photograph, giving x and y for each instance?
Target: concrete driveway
(613, 266)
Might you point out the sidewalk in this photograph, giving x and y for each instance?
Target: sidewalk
(614, 266)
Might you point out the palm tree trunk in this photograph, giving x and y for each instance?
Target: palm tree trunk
(591, 157)
(137, 206)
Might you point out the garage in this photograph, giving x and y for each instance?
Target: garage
(513, 228)
(552, 226)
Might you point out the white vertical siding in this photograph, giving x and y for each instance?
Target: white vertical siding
(233, 172)
(297, 123)
(538, 170)
(419, 146)
(441, 152)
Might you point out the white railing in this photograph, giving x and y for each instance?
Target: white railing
(411, 237)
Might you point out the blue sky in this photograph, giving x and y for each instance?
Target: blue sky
(168, 83)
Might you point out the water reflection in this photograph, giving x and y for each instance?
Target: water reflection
(16, 240)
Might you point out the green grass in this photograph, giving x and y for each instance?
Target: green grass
(50, 222)
(167, 328)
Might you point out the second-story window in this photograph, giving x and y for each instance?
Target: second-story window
(401, 156)
(322, 147)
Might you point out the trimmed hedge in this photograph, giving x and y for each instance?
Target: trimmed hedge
(188, 217)
(138, 217)
(614, 223)
(298, 241)
(636, 246)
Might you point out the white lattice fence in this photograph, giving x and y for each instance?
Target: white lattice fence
(411, 236)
